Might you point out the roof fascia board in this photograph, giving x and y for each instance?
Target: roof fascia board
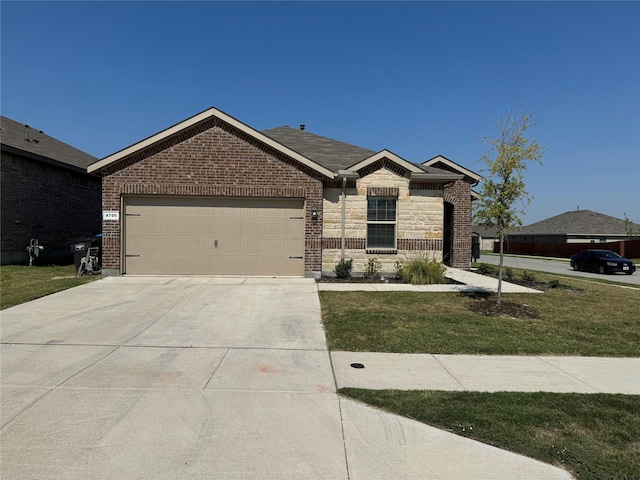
(390, 156)
(453, 165)
(43, 159)
(201, 117)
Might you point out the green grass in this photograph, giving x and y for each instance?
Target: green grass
(593, 436)
(594, 319)
(20, 284)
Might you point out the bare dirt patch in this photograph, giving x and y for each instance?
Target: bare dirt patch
(491, 308)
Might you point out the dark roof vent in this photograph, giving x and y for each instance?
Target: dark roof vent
(302, 126)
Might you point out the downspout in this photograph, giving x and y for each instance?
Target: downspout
(344, 201)
(345, 175)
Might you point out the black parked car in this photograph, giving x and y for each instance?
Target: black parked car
(602, 261)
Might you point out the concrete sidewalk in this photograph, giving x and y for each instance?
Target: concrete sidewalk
(470, 282)
(487, 373)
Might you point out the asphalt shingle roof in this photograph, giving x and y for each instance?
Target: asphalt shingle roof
(484, 231)
(36, 143)
(329, 153)
(579, 222)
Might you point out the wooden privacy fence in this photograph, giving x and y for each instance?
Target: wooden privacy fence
(626, 248)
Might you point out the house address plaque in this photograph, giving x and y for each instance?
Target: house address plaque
(110, 215)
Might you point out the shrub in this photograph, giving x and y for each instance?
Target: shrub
(343, 268)
(423, 271)
(372, 270)
(508, 274)
(487, 269)
(398, 269)
(528, 276)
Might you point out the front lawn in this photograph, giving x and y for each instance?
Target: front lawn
(593, 436)
(588, 319)
(19, 284)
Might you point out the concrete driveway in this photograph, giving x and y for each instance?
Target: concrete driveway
(192, 377)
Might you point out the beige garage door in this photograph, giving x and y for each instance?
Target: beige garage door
(213, 236)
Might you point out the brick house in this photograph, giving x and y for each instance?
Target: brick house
(211, 195)
(46, 194)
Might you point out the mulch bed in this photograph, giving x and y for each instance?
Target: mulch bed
(491, 308)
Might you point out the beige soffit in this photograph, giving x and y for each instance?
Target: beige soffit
(390, 156)
(201, 117)
(454, 165)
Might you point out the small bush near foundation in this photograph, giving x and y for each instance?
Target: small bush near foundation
(372, 269)
(398, 270)
(343, 268)
(423, 271)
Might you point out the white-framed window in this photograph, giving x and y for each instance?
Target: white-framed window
(381, 222)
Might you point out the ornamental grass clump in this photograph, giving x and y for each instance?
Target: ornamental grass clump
(423, 271)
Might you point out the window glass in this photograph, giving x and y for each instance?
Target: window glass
(381, 222)
(381, 209)
(381, 236)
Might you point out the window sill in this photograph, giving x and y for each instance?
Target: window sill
(382, 251)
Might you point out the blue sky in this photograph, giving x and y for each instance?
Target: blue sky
(418, 78)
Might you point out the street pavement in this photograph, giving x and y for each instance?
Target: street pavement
(556, 266)
(199, 377)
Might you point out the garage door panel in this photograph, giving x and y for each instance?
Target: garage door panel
(231, 265)
(183, 235)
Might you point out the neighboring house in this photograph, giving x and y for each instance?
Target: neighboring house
(485, 236)
(211, 195)
(46, 193)
(579, 226)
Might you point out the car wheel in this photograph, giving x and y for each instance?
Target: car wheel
(600, 269)
(576, 267)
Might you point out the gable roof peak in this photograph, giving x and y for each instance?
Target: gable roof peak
(441, 161)
(199, 119)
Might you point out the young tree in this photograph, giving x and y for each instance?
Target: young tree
(503, 186)
(629, 229)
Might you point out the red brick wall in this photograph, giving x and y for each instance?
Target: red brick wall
(216, 159)
(58, 204)
(459, 194)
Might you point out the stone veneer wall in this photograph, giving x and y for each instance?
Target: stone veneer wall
(419, 225)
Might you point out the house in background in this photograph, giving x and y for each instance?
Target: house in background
(211, 195)
(46, 193)
(486, 237)
(578, 226)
